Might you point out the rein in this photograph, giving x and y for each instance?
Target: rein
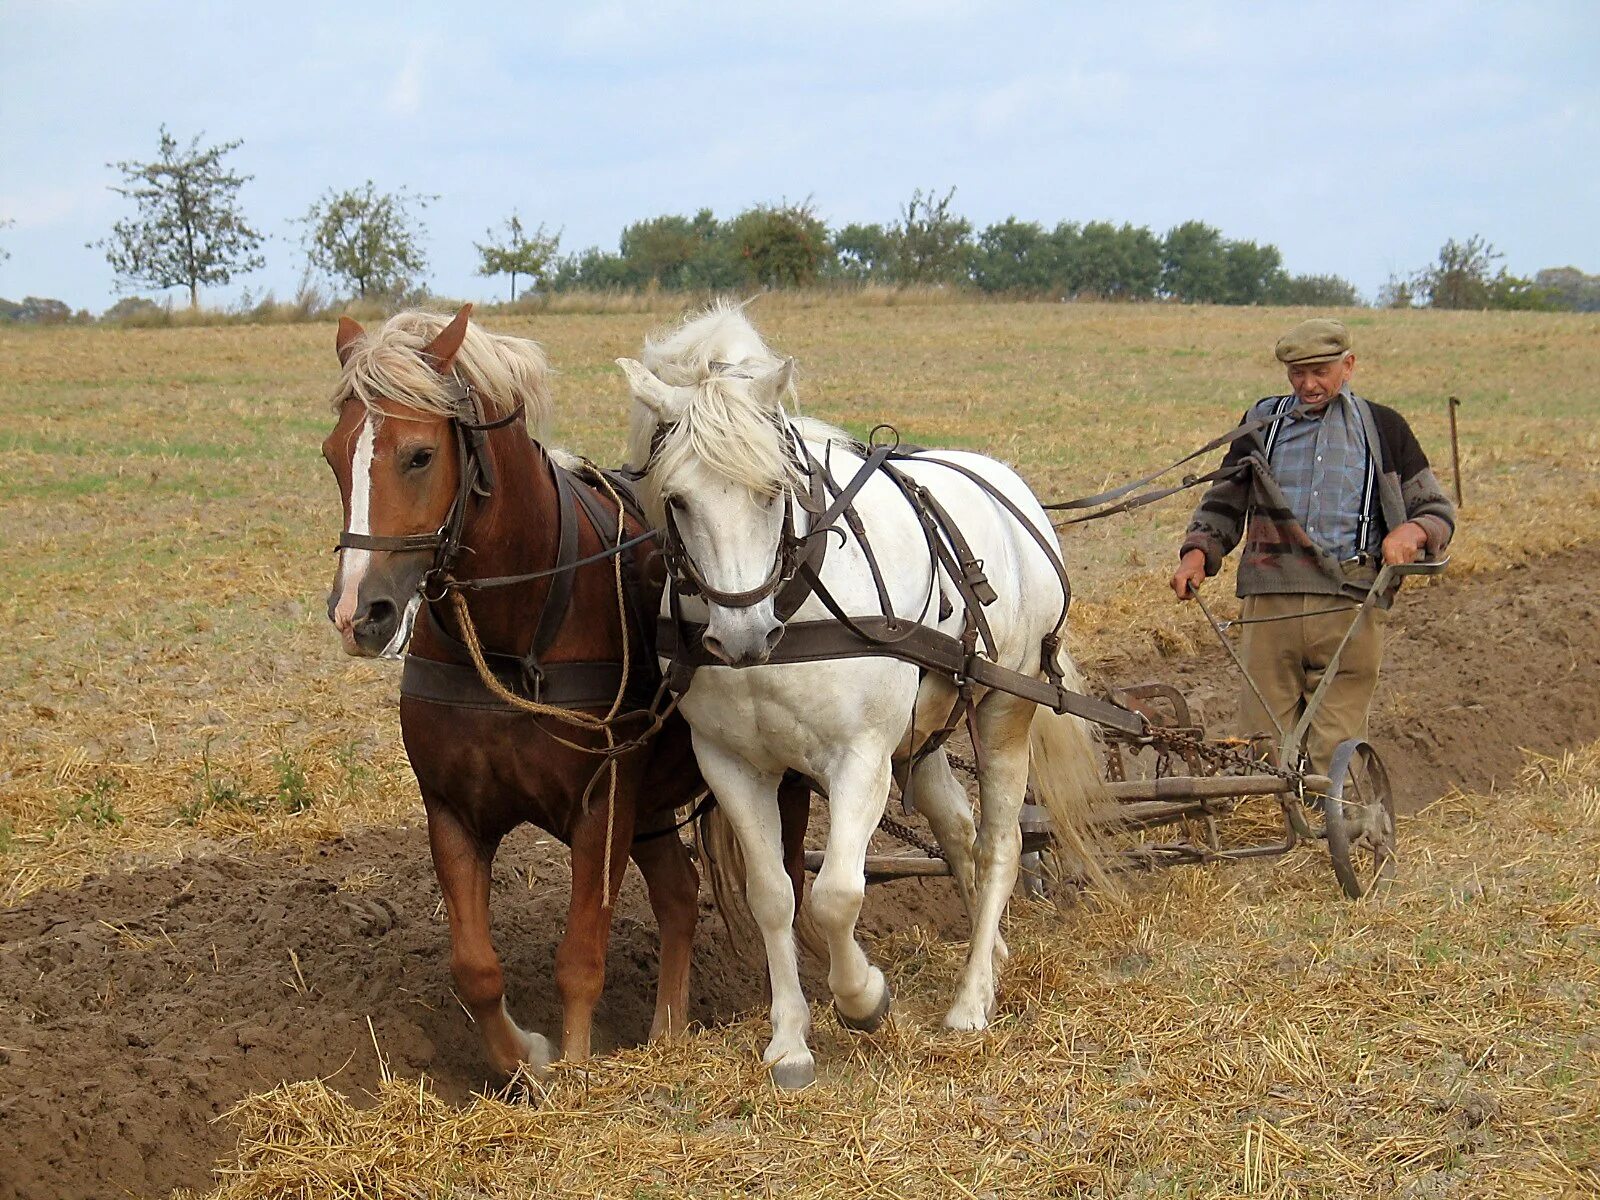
(1242, 430)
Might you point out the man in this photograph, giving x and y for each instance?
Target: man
(1329, 488)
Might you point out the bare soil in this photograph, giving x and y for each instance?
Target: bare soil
(137, 1007)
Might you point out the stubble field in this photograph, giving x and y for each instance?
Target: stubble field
(171, 689)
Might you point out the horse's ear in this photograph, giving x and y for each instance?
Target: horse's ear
(344, 342)
(660, 398)
(777, 383)
(444, 348)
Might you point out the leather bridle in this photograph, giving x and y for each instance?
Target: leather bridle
(476, 479)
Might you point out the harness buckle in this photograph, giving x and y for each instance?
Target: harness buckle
(533, 680)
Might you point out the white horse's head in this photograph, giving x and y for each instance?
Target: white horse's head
(719, 473)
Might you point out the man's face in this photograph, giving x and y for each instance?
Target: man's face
(1317, 383)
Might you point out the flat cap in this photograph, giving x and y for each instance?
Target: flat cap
(1315, 341)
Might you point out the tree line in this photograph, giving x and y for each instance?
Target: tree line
(188, 230)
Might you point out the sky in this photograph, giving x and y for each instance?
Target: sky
(1355, 137)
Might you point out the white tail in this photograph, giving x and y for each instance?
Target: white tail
(724, 868)
(1065, 760)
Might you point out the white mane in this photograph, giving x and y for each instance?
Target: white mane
(726, 422)
(720, 333)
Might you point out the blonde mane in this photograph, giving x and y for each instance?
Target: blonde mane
(712, 357)
(388, 364)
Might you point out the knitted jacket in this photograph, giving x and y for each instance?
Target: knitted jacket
(1278, 555)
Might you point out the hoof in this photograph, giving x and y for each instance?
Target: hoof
(794, 1074)
(870, 1022)
(534, 1056)
(966, 1019)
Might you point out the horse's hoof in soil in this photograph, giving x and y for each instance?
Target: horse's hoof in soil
(534, 1056)
(793, 1075)
(869, 1023)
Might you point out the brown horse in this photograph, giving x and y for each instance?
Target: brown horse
(459, 523)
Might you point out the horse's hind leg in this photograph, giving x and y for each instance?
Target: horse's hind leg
(462, 861)
(941, 798)
(1003, 723)
(748, 798)
(856, 796)
(674, 888)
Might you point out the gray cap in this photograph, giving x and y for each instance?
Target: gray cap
(1318, 340)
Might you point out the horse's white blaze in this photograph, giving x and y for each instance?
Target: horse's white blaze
(353, 563)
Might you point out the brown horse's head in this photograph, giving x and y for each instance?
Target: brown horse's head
(398, 472)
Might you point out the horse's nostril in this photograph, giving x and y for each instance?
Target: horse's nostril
(714, 648)
(774, 636)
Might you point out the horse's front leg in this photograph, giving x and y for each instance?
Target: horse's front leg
(581, 956)
(748, 798)
(857, 792)
(1003, 723)
(462, 862)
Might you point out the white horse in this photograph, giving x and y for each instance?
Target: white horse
(711, 431)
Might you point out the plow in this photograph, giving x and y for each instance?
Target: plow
(1171, 790)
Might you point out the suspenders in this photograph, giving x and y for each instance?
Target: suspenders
(1369, 484)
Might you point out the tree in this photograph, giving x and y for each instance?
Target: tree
(783, 245)
(1397, 292)
(934, 245)
(680, 253)
(1465, 277)
(594, 269)
(1314, 291)
(189, 229)
(1461, 277)
(1193, 264)
(1570, 288)
(865, 253)
(1014, 256)
(368, 239)
(1249, 272)
(520, 254)
(35, 310)
(1108, 262)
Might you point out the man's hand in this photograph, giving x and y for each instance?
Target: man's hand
(1191, 573)
(1405, 544)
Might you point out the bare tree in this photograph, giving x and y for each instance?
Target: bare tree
(189, 229)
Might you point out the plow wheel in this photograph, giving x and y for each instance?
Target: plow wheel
(1359, 811)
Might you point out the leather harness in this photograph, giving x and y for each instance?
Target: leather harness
(796, 575)
(457, 683)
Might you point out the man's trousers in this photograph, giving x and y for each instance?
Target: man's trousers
(1287, 659)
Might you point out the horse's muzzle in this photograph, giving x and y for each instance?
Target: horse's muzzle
(744, 651)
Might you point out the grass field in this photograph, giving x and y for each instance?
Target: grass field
(171, 684)
(170, 676)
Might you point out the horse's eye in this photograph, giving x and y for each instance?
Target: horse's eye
(419, 459)
(677, 503)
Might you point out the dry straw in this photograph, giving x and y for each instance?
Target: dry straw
(1233, 1032)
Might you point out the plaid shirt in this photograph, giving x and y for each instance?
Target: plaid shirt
(1322, 464)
